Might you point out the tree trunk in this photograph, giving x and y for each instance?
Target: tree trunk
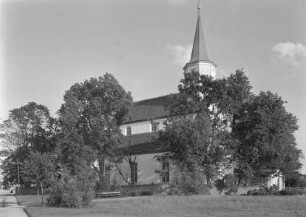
(103, 184)
(42, 193)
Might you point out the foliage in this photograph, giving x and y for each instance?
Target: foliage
(94, 110)
(71, 151)
(40, 169)
(270, 191)
(292, 191)
(187, 182)
(189, 145)
(265, 131)
(227, 184)
(230, 184)
(295, 179)
(73, 191)
(199, 135)
(123, 154)
(12, 169)
(28, 128)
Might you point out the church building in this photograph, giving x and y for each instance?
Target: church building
(146, 118)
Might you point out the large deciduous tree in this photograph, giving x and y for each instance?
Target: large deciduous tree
(188, 139)
(214, 103)
(265, 134)
(40, 168)
(94, 109)
(28, 128)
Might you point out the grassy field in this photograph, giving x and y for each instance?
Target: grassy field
(176, 206)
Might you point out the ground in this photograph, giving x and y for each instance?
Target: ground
(176, 206)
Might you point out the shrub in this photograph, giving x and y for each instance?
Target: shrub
(220, 185)
(228, 183)
(188, 182)
(259, 192)
(135, 190)
(146, 193)
(73, 191)
(291, 191)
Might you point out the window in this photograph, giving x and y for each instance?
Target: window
(133, 172)
(165, 171)
(154, 126)
(107, 175)
(128, 131)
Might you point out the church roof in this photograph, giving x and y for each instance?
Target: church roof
(149, 109)
(143, 143)
(199, 49)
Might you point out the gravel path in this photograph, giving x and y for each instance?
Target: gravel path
(9, 206)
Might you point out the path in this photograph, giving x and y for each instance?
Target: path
(11, 207)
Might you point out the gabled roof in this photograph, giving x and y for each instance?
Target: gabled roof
(199, 49)
(143, 143)
(149, 109)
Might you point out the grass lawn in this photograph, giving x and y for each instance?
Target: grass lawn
(176, 206)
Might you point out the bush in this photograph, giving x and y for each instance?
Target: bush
(292, 191)
(228, 183)
(187, 183)
(220, 185)
(137, 190)
(146, 193)
(258, 192)
(273, 191)
(73, 191)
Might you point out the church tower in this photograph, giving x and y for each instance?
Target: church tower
(200, 61)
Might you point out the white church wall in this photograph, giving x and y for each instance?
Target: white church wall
(147, 166)
(204, 68)
(142, 127)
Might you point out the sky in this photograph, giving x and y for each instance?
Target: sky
(48, 45)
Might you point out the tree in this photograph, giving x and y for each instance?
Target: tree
(217, 101)
(73, 181)
(73, 190)
(40, 168)
(120, 155)
(189, 145)
(28, 128)
(265, 134)
(94, 109)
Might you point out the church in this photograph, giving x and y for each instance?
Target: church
(139, 165)
(146, 118)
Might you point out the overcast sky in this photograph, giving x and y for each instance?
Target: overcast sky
(48, 45)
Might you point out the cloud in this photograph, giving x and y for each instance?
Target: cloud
(181, 54)
(293, 53)
(177, 1)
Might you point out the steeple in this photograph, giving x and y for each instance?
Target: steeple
(199, 50)
(200, 60)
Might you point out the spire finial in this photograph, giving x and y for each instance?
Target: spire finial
(199, 7)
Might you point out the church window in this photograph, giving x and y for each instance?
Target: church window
(134, 172)
(154, 126)
(128, 131)
(165, 171)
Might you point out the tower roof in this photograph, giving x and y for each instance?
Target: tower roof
(199, 49)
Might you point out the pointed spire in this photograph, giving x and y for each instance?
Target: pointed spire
(199, 49)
